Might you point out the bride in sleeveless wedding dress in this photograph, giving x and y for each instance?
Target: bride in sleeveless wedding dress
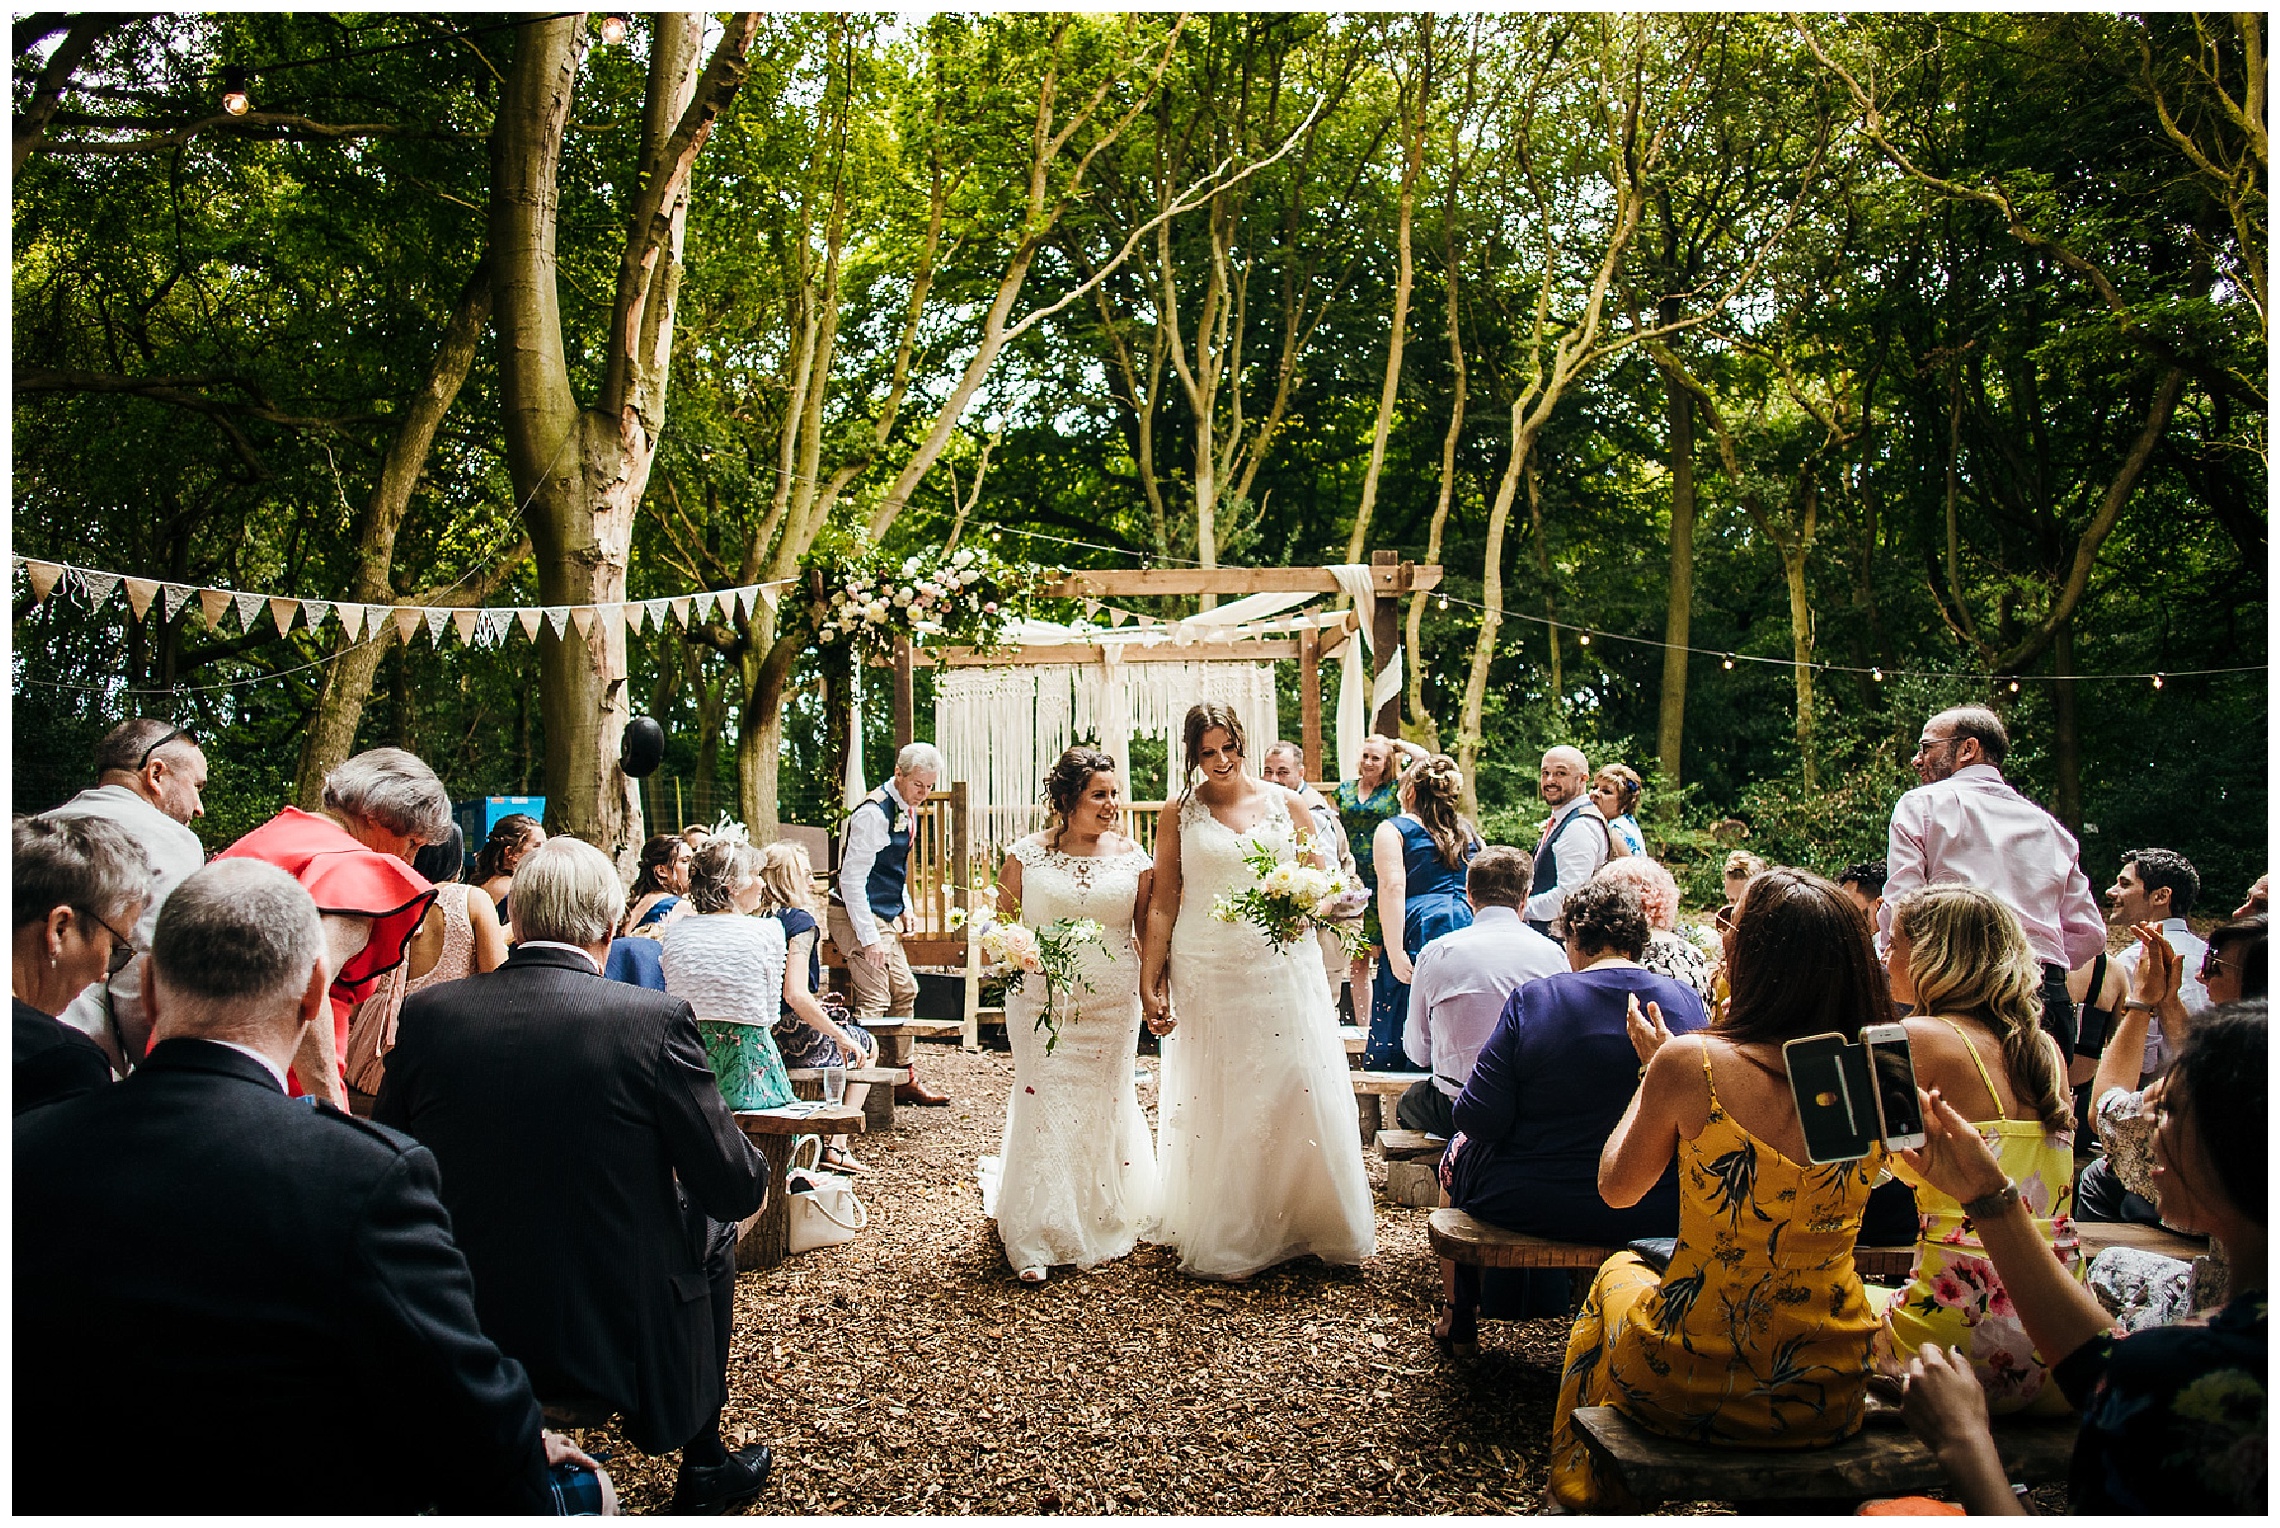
(1077, 1175)
(1258, 1138)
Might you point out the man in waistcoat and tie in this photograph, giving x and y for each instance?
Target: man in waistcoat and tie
(869, 898)
(1574, 843)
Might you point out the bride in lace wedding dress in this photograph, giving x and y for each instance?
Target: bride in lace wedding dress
(1077, 1180)
(1258, 1137)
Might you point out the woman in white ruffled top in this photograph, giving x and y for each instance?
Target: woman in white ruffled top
(729, 966)
(1078, 1177)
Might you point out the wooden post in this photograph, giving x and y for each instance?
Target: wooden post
(961, 866)
(1385, 632)
(906, 697)
(1310, 703)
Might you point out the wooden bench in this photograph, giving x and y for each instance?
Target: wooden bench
(1412, 1167)
(2098, 1235)
(763, 1238)
(878, 1104)
(1371, 1087)
(1410, 1145)
(1356, 1040)
(1882, 1459)
(895, 1036)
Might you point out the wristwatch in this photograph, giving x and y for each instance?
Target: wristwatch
(1992, 1205)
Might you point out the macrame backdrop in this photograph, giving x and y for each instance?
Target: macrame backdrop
(1000, 730)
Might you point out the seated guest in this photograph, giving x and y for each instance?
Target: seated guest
(729, 966)
(149, 779)
(637, 959)
(1615, 791)
(1864, 883)
(1757, 1333)
(2233, 966)
(808, 1035)
(510, 838)
(79, 881)
(1668, 953)
(459, 937)
(380, 807)
(1462, 981)
(1550, 1082)
(295, 1303)
(564, 1108)
(658, 887)
(2173, 1419)
(1741, 868)
(1960, 958)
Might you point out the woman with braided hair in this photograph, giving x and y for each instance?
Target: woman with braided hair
(1421, 855)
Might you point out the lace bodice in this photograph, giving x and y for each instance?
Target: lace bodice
(458, 957)
(1055, 886)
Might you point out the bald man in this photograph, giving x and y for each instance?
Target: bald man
(1574, 843)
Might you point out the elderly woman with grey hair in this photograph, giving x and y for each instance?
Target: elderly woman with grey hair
(355, 857)
(78, 884)
(1667, 953)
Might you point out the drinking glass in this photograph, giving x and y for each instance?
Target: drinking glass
(834, 1084)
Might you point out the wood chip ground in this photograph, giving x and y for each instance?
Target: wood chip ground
(910, 1372)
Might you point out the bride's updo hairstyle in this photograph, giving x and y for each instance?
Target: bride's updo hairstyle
(1434, 787)
(716, 871)
(1201, 719)
(1067, 781)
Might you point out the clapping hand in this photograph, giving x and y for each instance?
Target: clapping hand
(1646, 1027)
(2159, 971)
(1954, 1159)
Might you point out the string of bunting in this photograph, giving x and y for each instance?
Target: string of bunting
(476, 625)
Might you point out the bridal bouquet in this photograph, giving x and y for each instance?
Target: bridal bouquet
(1010, 945)
(1292, 897)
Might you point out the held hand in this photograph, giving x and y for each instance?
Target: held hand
(1944, 1404)
(1953, 1159)
(1646, 1028)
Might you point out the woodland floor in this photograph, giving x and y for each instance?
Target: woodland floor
(909, 1371)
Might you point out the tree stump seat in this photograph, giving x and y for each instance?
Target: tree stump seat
(1410, 1145)
(1882, 1459)
(896, 1037)
(878, 1104)
(763, 1238)
(1370, 1088)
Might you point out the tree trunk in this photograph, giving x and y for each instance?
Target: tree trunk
(1678, 621)
(1492, 607)
(581, 471)
(1413, 161)
(1544, 571)
(348, 680)
(1801, 655)
(2066, 742)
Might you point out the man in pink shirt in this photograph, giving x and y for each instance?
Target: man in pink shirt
(1964, 823)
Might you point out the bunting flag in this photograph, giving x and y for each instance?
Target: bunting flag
(476, 625)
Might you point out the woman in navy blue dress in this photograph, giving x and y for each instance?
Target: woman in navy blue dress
(1549, 1087)
(1421, 857)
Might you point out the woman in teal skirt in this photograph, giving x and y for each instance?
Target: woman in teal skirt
(729, 966)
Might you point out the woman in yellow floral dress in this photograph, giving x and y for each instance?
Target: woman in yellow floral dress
(1960, 958)
(1758, 1332)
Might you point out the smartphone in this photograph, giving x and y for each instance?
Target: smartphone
(1835, 1096)
(1894, 1069)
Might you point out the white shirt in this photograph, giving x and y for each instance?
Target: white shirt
(1577, 856)
(867, 834)
(556, 944)
(267, 1065)
(175, 855)
(2189, 947)
(1459, 988)
(1972, 827)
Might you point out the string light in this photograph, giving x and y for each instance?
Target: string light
(235, 101)
(613, 29)
(1583, 639)
(2014, 687)
(1442, 603)
(1876, 674)
(2157, 681)
(1728, 661)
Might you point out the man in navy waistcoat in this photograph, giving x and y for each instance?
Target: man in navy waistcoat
(869, 898)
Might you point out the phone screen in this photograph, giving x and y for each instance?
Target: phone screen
(1895, 1073)
(1835, 1107)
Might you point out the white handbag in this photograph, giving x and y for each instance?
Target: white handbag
(825, 1213)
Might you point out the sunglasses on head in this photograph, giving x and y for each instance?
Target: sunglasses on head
(169, 736)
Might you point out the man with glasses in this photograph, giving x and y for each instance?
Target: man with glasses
(1965, 823)
(149, 777)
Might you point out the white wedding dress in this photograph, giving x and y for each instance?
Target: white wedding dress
(1258, 1137)
(1077, 1174)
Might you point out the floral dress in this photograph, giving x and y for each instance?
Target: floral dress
(1361, 815)
(2174, 1421)
(1757, 1334)
(1953, 1298)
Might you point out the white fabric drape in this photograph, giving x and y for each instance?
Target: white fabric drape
(1000, 730)
(852, 787)
(1354, 714)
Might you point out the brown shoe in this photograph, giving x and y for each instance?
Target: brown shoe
(916, 1092)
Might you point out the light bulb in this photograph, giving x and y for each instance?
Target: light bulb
(2157, 681)
(1442, 603)
(613, 28)
(2014, 687)
(1583, 639)
(1729, 661)
(235, 101)
(1876, 674)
